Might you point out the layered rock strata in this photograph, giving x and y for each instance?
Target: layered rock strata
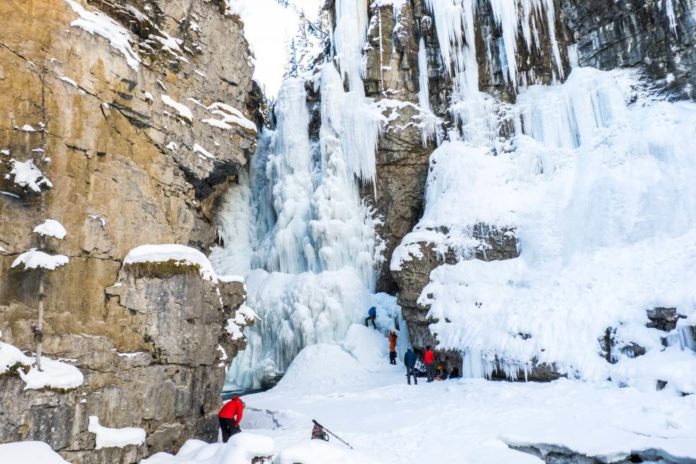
(131, 118)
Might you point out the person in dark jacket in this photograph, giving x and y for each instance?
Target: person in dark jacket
(429, 361)
(392, 347)
(410, 363)
(371, 316)
(230, 416)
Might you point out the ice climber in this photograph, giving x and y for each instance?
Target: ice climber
(230, 417)
(371, 316)
(429, 361)
(392, 346)
(410, 362)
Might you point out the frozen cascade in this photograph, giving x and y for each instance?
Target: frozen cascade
(314, 251)
(455, 24)
(349, 37)
(601, 196)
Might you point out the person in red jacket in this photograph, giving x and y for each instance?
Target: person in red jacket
(230, 417)
(429, 361)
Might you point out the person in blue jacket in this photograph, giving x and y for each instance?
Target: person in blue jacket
(410, 363)
(371, 316)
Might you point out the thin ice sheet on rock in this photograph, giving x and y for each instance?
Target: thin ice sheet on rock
(180, 254)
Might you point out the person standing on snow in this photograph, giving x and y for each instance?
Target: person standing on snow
(230, 416)
(371, 316)
(410, 363)
(392, 347)
(429, 361)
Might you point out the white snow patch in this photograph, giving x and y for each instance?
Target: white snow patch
(240, 449)
(180, 254)
(51, 228)
(69, 81)
(182, 110)
(29, 452)
(96, 22)
(35, 259)
(115, 438)
(53, 374)
(200, 150)
(27, 175)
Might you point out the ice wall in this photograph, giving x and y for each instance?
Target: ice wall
(312, 248)
(597, 185)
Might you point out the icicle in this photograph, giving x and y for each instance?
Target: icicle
(668, 6)
(349, 37)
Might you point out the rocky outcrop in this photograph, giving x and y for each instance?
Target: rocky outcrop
(414, 273)
(137, 112)
(658, 36)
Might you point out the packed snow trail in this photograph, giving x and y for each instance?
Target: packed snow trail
(356, 393)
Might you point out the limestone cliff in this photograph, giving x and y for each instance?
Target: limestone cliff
(138, 112)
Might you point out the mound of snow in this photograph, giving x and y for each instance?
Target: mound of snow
(29, 452)
(11, 355)
(115, 438)
(34, 259)
(323, 369)
(242, 448)
(51, 228)
(180, 254)
(367, 345)
(319, 452)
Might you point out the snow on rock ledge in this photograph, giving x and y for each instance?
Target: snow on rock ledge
(51, 228)
(27, 175)
(100, 24)
(35, 259)
(180, 255)
(55, 374)
(115, 438)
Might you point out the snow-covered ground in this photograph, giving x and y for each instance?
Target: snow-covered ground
(355, 393)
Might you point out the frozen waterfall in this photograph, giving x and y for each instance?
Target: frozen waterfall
(299, 230)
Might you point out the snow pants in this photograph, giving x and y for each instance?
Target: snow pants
(430, 371)
(392, 357)
(229, 427)
(411, 371)
(370, 318)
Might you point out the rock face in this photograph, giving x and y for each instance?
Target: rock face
(638, 33)
(414, 274)
(134, 110)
